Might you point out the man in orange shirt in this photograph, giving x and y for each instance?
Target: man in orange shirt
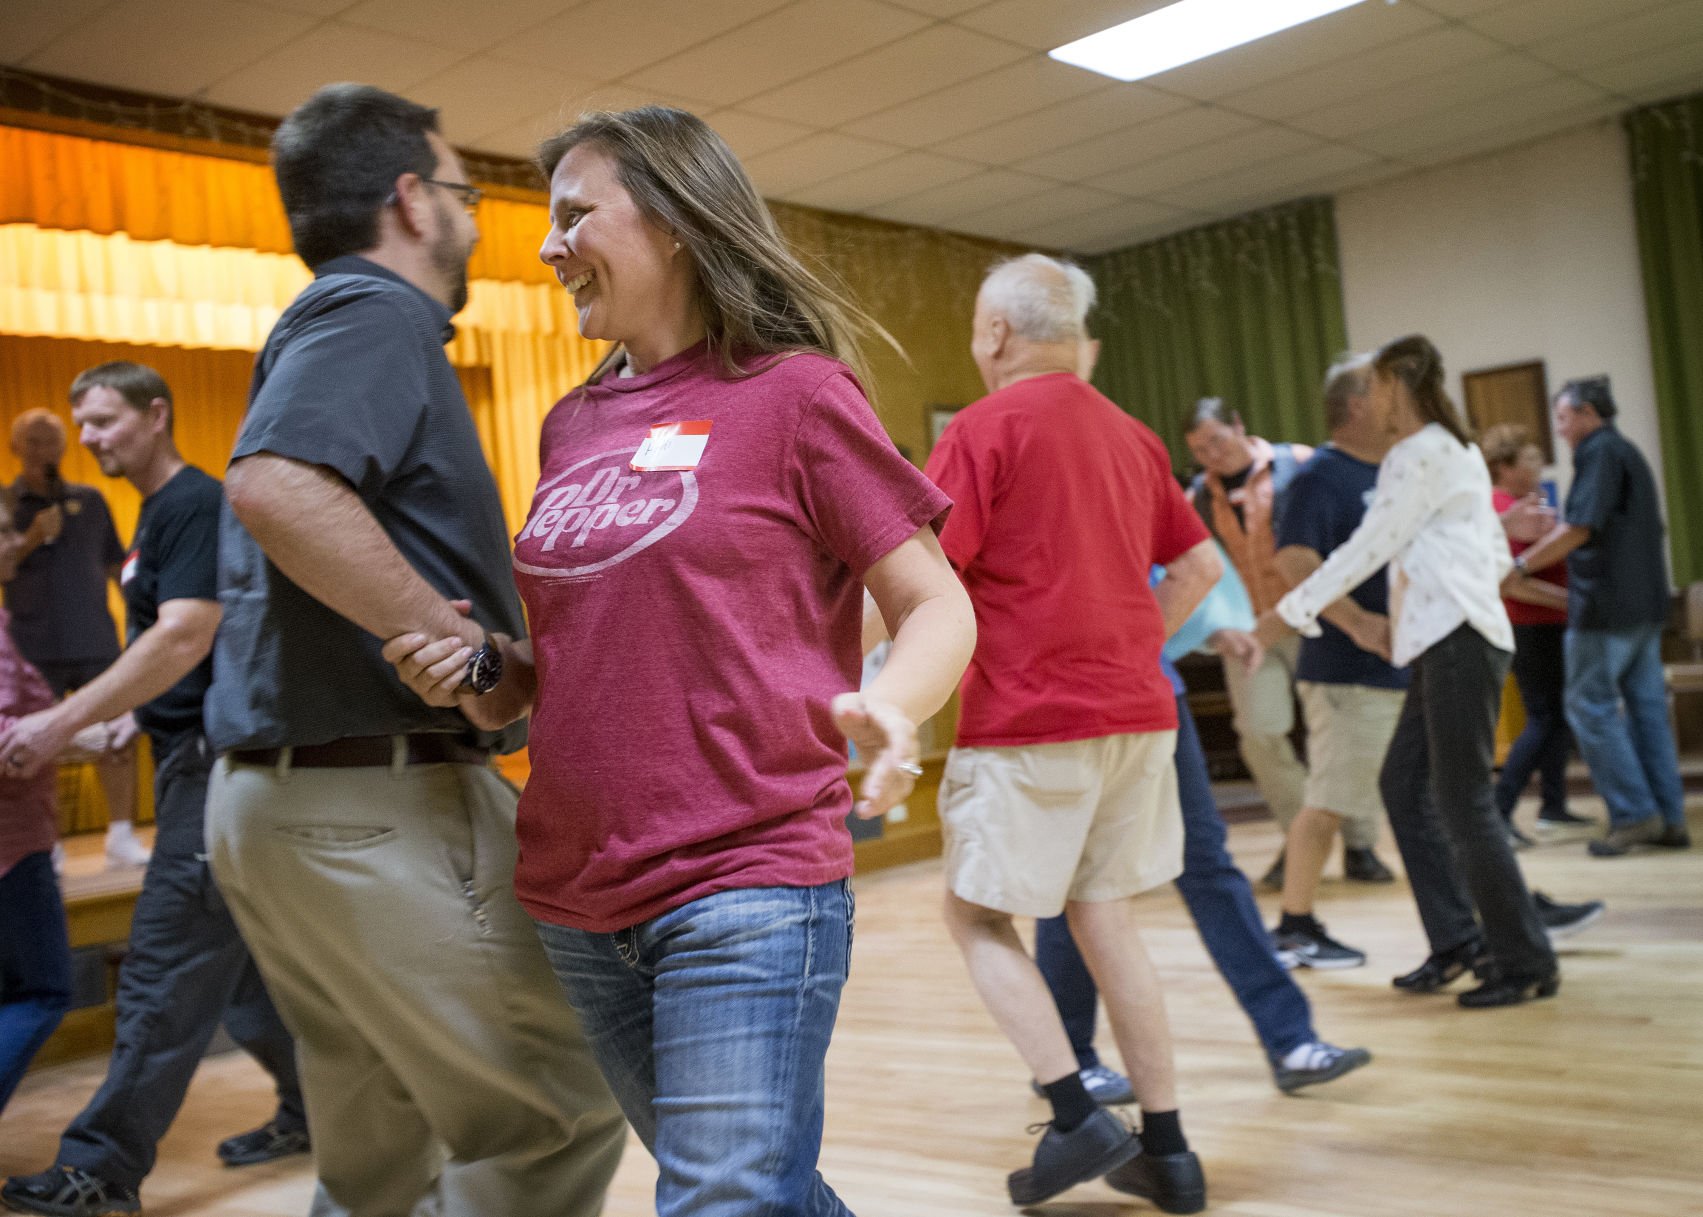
(1240, 493)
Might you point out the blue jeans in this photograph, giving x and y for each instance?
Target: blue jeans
(711, 1023)
(35, 965)
(1618, 708)
(1222, 905)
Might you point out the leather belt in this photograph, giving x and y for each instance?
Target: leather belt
(367, 752)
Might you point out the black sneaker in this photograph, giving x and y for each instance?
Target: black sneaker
(1675, 836)
(1105, 1085)
(68, 1191)
(264, 1144)
(1563, 920)
(1518, 839)
(1321, 1062)
(1364, 866)
(1173, 1182)
(1561, 817)
(1308, 946)
(1064, 1159)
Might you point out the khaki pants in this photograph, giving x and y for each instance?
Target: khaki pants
(1264, 705)
(444, 1070)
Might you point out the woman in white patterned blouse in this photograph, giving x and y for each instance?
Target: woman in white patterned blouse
(1431, 521)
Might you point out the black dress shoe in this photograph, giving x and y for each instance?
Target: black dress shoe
(1064, 1159)
(1675, 836)
(1442, 968)
(1173, 1182)
(1511, 990)
(1364, 866)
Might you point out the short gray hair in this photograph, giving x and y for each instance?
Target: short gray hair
(1043, 299)
(1348, 378)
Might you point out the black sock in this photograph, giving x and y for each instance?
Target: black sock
(1297, 923)
(1162, 1133)
(1072, 1104)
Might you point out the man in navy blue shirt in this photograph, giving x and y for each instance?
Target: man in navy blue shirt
(1350, 694)
(1612, 539)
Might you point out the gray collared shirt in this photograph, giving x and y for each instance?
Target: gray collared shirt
(354, 377)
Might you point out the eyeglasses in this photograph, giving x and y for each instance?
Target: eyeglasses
(469, 196)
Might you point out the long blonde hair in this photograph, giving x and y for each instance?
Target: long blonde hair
(754, 295)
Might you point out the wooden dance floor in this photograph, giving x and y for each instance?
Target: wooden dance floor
(1584, 1106)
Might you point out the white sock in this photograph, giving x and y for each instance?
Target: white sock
(1304, 1057)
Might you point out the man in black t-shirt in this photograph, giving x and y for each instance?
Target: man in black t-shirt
(187, 967)
(1617, 593)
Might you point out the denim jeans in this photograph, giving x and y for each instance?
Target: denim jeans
(1540, 670)
(187, 970)
(1617, 705)
(1436, 787)
(1222, 905)
(711, 1023)
(35, 965)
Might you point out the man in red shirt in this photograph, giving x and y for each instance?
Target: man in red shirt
(1061, 793)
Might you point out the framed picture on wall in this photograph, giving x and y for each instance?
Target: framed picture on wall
(938, 417)
(1514, 393)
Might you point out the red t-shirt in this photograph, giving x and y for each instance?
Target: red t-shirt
(1062, 504)
(1519, 612)
(29, 807)
(690, 629)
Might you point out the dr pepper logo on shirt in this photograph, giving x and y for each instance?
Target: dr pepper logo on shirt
(597, 513)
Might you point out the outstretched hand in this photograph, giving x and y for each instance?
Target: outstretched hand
(888, 742)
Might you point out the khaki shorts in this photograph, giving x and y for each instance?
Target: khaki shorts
(1092, 820)
(1348, 731)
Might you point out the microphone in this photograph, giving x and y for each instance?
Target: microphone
(55, 492)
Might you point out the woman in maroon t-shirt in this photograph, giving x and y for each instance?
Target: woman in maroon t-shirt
(711, 504)
(1537, 608)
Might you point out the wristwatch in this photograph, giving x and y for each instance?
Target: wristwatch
(484, 670)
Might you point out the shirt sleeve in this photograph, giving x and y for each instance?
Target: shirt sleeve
(1400, 507)
(186, 550)
(347, 391)
(965, 469)
(1177, 527)
(859, 498)
(1596, 488)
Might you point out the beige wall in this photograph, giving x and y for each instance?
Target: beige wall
(1527, 253)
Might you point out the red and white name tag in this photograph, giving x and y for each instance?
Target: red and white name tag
(672, 447)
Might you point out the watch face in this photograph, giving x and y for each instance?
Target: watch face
(485, 669)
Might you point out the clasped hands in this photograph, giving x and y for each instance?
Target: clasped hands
(43, 738)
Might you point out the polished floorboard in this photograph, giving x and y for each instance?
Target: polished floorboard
(1584, 1106)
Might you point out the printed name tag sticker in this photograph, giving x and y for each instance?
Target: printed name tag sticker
(672, 447)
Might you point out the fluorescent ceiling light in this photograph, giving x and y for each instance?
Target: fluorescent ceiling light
(1186, 31)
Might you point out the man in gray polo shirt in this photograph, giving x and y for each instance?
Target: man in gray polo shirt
(359, 835)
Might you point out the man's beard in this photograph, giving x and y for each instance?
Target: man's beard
(450, 261)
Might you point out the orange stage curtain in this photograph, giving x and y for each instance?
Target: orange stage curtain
(86, 185)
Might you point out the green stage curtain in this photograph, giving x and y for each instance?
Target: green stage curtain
(1249, 310)
(1667, 184)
